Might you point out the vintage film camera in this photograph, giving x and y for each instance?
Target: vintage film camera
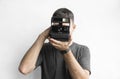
(60, 28)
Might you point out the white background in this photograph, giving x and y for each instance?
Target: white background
(98, 27)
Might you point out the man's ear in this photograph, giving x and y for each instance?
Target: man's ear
(74, 26)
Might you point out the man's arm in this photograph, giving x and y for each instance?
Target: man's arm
(75, 69)
(29, 60)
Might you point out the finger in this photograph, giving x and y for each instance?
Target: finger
(55, 45)
(55, 41)
(70, 37)
(70, 40)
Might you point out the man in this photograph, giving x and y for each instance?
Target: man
(58, 59)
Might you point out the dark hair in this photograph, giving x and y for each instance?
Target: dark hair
(63, 13)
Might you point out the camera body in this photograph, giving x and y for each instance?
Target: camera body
(60, 28)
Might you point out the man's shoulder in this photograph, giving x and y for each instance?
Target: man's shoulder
(77, 45)
(80, 49)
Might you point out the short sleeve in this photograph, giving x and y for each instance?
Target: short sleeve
(40, 57)
(84, 58)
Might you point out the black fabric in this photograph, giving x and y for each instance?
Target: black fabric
(53, 65)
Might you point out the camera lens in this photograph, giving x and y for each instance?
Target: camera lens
(60, 29)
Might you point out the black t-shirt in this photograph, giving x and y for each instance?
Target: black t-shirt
(53, 65)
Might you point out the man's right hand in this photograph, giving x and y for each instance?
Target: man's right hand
(46, 33)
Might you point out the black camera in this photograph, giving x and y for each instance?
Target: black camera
(60, 28)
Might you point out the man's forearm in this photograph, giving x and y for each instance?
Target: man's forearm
(76, 71)
(29, 60)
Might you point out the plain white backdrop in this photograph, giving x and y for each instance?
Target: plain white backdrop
(98, 27)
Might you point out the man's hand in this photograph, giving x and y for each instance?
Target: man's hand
(60, 45)
(46, 33)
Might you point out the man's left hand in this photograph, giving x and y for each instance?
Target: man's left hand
(60, 45)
